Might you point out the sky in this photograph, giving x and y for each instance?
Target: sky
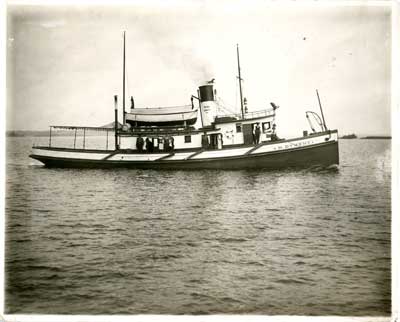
(64, 63)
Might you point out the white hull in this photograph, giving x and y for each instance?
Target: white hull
(124, 156)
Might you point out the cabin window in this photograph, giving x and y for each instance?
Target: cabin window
(238, 127)
(188, 138)
(266, 127)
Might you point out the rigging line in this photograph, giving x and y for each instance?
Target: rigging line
(127, 81)
(222, 103)
(309, 122)
(223, 106)
(317, 120)
(236, 94)
(226, 109)
(129, 92)
(219, 109)
(237, 86)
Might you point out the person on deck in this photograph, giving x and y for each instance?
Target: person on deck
(274, 137)
(139, 143)
(166, 145)
(149, 145)
(257, 133)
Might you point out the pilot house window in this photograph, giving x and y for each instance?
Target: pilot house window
(266, 127)
(188, 139)
(238, 127)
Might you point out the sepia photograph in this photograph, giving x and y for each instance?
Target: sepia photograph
(198, 158)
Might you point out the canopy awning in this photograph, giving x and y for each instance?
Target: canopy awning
(91, 128)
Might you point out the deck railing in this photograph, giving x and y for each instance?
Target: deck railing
(250, 115)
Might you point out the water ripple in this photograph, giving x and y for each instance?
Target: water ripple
(290, 242)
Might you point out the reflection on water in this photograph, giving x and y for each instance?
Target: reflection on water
(313, 242)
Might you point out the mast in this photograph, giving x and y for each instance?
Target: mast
(322, 113)
(116, 121)
(240, 82)
(123, 86)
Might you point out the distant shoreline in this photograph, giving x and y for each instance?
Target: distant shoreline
(26, 133)
(369, 137)
(44, 133)
(349, 136)
(378, 137)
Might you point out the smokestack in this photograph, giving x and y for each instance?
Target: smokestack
(206, 93)
(207, 103)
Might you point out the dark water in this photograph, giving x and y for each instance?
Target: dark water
(200, 242)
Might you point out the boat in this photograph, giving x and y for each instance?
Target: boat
(168, 138)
